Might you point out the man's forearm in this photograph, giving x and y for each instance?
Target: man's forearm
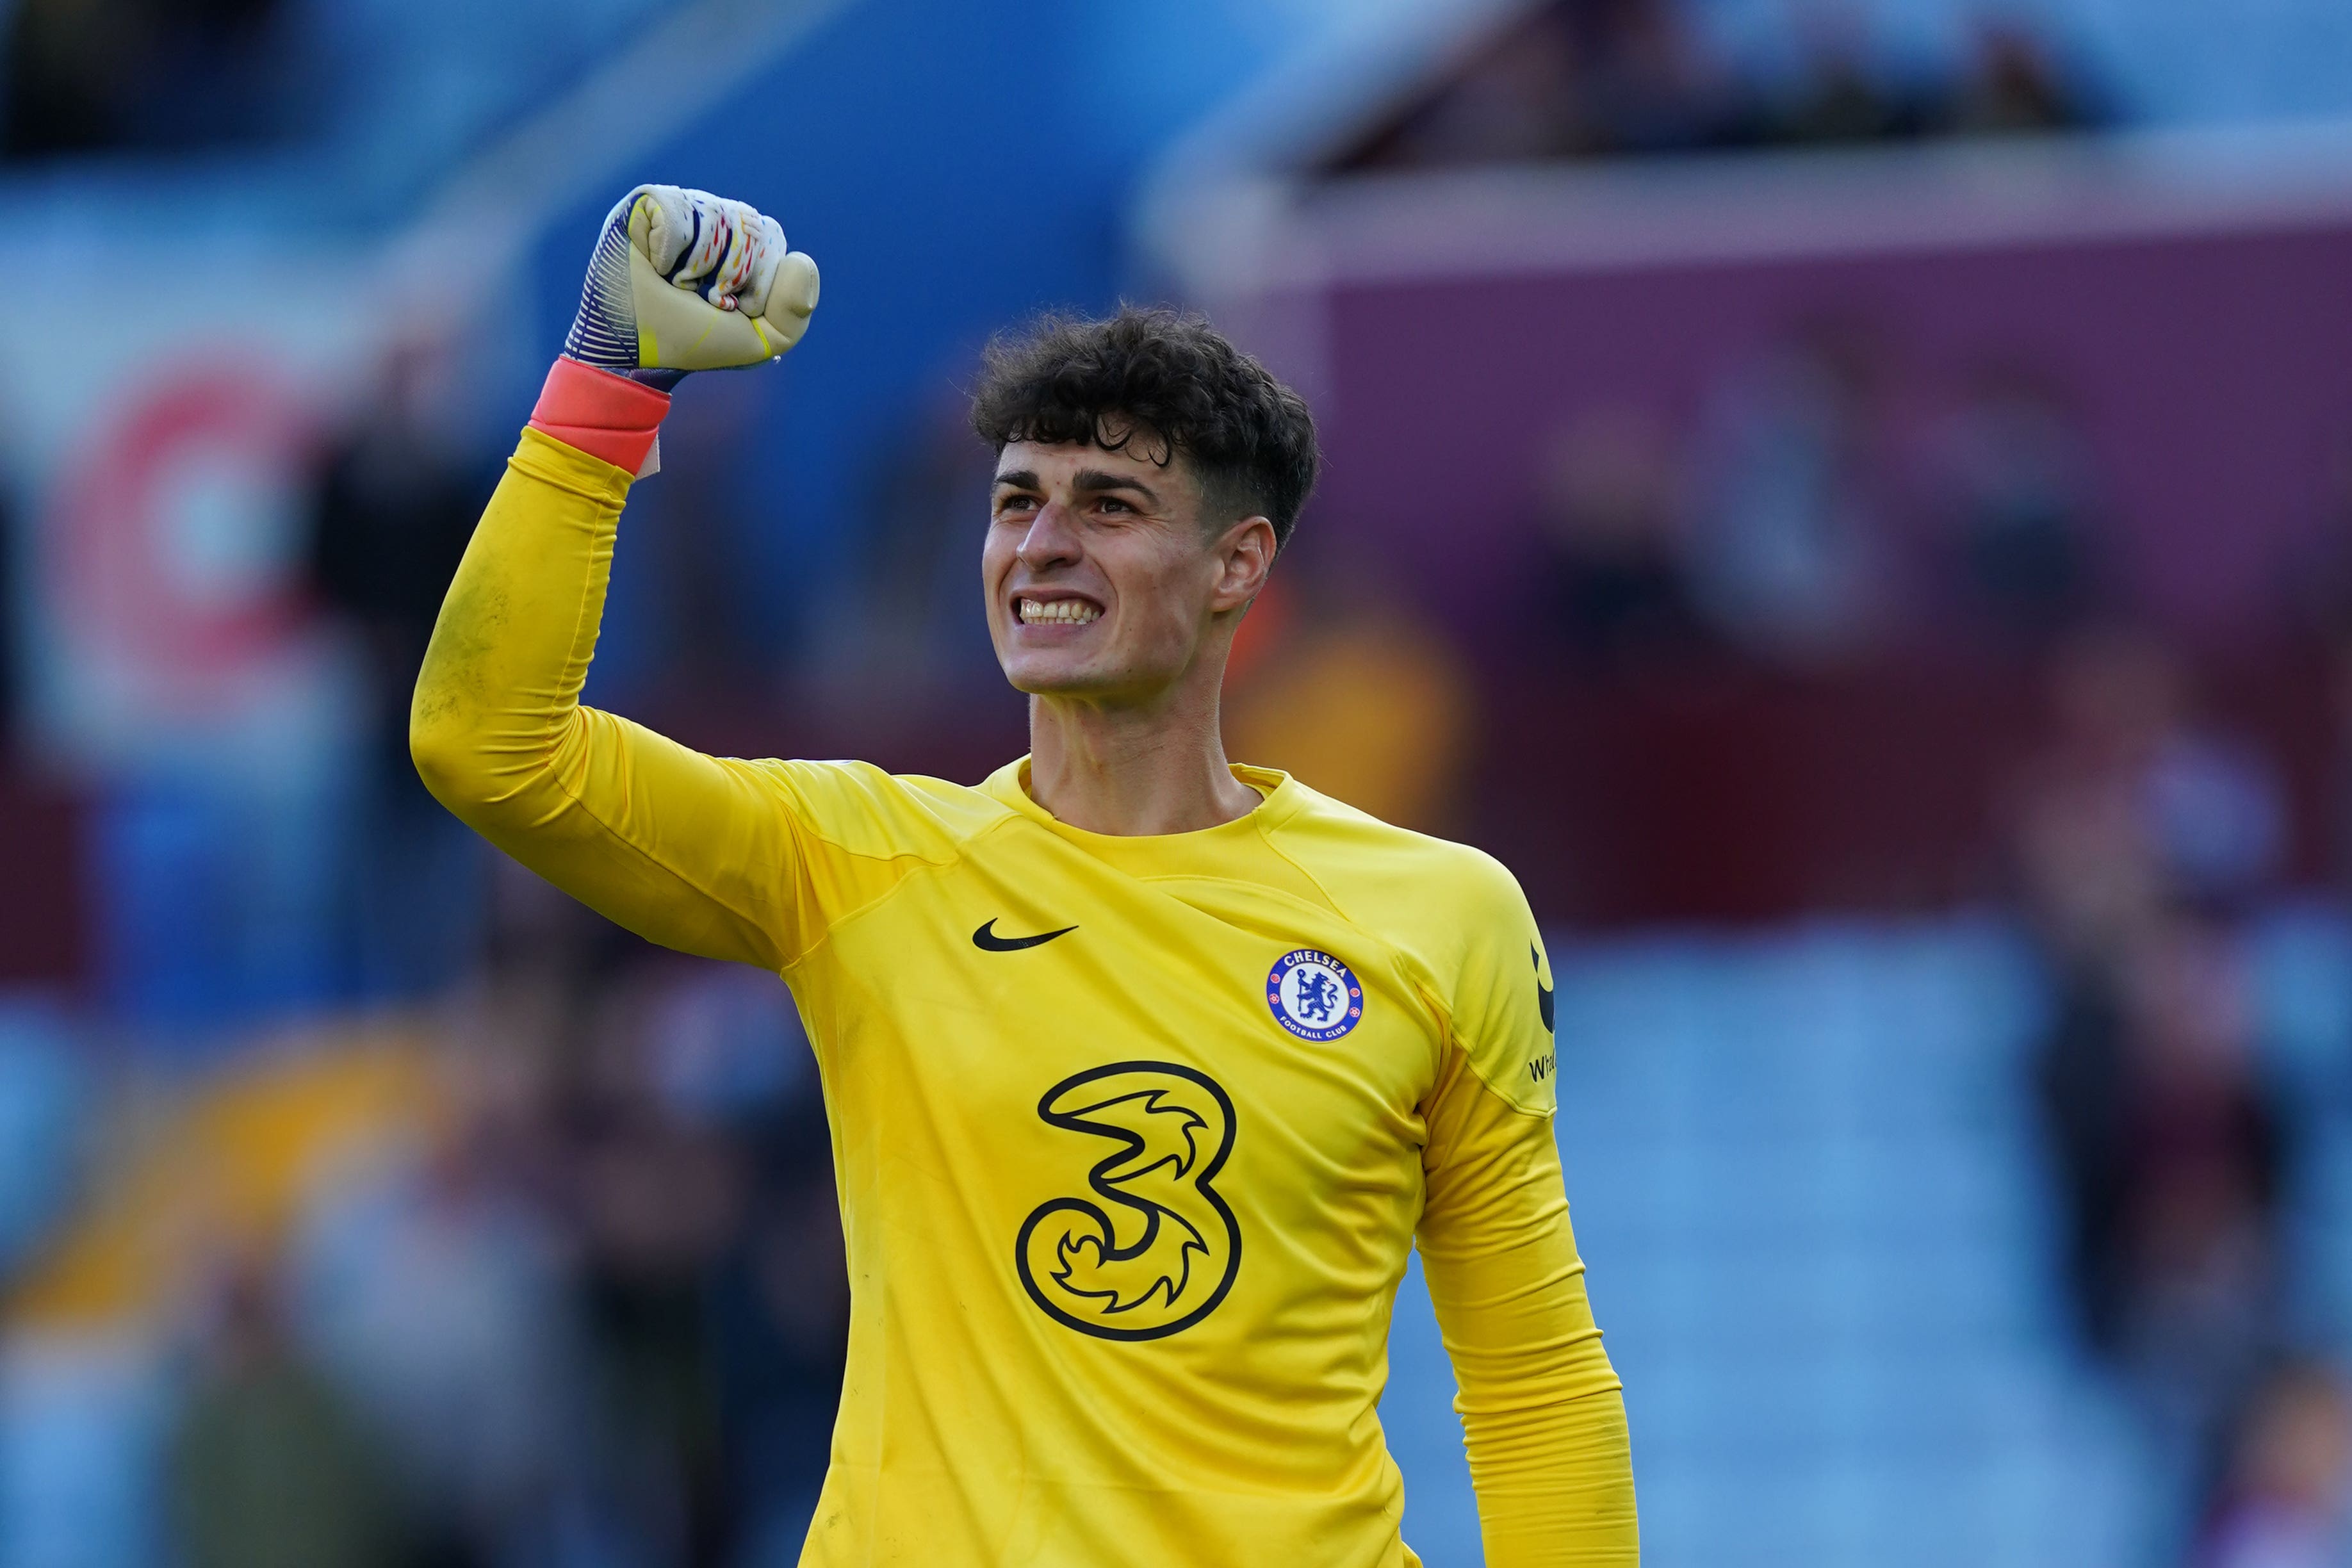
(684, 849)
(496, 701)
(1541, 1412)
(498, 698)
(1542, 1415)
(1555, 1483)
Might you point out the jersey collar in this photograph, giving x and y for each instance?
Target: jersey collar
(1009, 784)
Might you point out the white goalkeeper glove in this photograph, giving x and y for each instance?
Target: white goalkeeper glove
(684, 280)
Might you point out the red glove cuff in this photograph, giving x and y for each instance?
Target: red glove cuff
(597, 412)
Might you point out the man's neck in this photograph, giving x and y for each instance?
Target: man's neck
(1132, 770)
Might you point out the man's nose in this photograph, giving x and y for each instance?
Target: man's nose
(1051, 539)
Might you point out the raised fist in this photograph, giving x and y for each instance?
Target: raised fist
(685, 280)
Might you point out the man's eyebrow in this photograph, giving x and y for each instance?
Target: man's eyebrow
(1087, 481)
(1103, 479)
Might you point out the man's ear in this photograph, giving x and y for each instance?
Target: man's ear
(1244, 557)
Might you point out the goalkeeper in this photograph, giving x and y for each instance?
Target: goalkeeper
(1145, 1069)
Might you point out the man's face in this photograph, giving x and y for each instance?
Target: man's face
(1103, 577)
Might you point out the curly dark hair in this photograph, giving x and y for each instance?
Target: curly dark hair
(1163, 378)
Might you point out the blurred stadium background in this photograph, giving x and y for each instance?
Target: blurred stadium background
(1851, 499)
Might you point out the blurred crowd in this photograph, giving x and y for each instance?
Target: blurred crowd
(549, 1271)
(1584, 78)
(1822, 507)
(1822, 515)
(2143, 839)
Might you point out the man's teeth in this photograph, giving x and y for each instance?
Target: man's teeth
(1057, 612)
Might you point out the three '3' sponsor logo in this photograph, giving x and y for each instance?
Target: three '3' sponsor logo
(1153, 1248)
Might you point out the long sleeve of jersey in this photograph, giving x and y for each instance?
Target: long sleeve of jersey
(1540, 1406)
(684, 849)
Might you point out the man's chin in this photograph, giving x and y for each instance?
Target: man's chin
(1046, 677)
(1039, 685)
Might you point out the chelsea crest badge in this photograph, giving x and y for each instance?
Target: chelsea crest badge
(1314, 995)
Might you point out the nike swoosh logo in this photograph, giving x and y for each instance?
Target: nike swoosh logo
(987, 940)
(1543, 991)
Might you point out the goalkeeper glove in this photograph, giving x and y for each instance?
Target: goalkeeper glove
(685, 280)
(680, 280)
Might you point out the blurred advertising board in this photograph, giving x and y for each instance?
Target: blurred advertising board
(165, 459)
(165, 452)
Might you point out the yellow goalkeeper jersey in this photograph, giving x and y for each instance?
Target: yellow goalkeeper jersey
(1133, 1134)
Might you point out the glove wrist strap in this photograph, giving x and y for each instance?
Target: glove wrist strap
(607, 415)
